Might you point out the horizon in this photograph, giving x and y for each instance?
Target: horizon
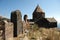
(50, 7)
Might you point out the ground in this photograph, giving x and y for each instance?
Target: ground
(36, 33)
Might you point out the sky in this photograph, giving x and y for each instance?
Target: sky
(50, 7)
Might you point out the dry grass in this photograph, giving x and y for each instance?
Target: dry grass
(44, 34)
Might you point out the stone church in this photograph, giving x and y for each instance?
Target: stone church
(40, 20)
(10, 29)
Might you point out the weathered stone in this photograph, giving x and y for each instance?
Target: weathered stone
(16, 18)
(6, 30)
(2, 30)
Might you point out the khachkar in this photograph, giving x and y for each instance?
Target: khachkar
(16, 18)
(6, 30)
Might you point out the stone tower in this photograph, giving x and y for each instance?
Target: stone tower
(38, 13)
(16, 18)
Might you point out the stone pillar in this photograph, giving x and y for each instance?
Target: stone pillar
(16, 18)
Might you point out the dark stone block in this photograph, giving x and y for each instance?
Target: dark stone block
(16, 18)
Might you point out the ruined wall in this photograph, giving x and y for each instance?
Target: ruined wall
(2, 30)
(8, 31)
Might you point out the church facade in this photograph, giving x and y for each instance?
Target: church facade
(40, 20)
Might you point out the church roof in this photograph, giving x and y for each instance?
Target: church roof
(51, 19)
(38, 9)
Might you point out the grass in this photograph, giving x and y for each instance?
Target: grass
(43, 33)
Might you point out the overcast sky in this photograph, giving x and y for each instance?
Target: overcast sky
(50, 7)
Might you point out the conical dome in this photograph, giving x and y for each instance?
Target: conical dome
(38, 9)
(38, 13)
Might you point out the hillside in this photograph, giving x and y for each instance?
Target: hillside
(43, 34)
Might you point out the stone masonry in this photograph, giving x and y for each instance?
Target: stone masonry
(6, 30)
(16, 19)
